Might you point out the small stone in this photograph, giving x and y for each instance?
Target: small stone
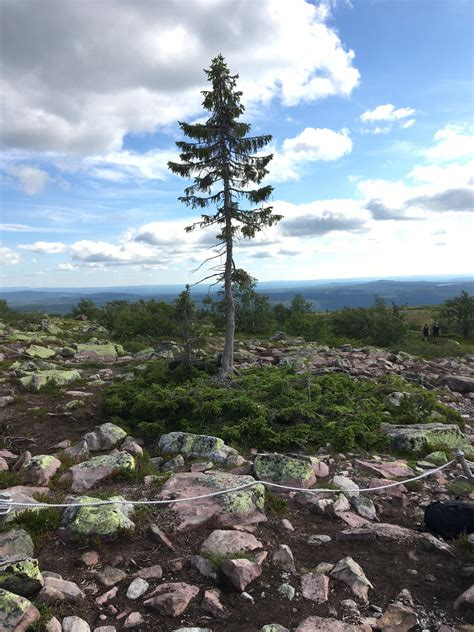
(286, 524)
(137, 588)
(53, 625)
(315, 587)
(172, 599)
(110, 594)
(158, 535)
(75, 624)
(229, 542)
(133, 620)
(346, 484)
(288, 591)
(241, 572)
(397, 618)
(109, 576)
(90, 558)
(348, 571)
(16, 542)
(211, 603)
(317, 540)
(349, 604)
(466, 600)
(150, 572)
(283, 557)
(324, 567)
(204, 566)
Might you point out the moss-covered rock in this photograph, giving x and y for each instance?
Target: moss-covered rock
(40, 469)
(418, 438)
(35, 351)
(36, 381)
(105, 521)
(436, 458)
(285, 470)
(105, 352)
(104, 437)
(234, 508)
(16, 542)
(85, 475)
(199, 446)
(21, 575)
(16, 613)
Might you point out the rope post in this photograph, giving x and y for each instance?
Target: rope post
(459, 454)
(5, 507)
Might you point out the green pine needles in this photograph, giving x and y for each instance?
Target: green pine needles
(224, 163)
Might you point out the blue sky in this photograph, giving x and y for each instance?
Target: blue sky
(370, 105)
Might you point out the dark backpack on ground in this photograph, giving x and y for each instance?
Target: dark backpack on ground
(450, 519)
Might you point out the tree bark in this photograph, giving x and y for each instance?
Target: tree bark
(227, 364)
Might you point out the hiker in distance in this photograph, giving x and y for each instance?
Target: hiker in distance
(426, 331)
(436, 331)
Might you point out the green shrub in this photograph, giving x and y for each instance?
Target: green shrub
(268, 407)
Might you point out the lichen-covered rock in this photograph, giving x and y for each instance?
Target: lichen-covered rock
(104, 437)
(104, 521)
(284, 470)
(35, 351)
(85, 475)
(106, 352)
(40, 469)
(38, 380)
(235, 508)
(436, 458)
(17, 614)
(197, 446)
(229, 542)
(16, 542)
(415, 438)
(21, 575)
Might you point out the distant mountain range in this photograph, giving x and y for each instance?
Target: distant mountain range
(323, 294)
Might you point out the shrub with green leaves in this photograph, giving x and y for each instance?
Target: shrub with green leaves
(267, 407)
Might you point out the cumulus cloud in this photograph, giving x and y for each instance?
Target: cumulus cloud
(386, 112)
(308, 225)
(453, 142)
(104, 70)
(8, 256)
(382, 118)
(45, 247)
(32, 179)
(310, 145)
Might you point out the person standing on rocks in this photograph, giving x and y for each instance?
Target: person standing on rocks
(436, 329)
(426, 331)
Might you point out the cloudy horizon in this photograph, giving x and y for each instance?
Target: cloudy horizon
(372, 137)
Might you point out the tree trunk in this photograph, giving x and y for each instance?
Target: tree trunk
(227, 364)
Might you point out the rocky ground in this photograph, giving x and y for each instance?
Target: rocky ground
(255, 559)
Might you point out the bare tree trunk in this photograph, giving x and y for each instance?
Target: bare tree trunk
(227, 364)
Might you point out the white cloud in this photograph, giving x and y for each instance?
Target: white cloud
(308, 146)
(66, 267)
(45, 247)
(386, 112)
(8, 256)
(32, 179)
(453, 142)
(137, 65)
(381, 119)
(124, 165)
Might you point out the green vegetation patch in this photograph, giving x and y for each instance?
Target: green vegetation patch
(272, 408)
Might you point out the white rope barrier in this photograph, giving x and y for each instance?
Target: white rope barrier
(6, 502)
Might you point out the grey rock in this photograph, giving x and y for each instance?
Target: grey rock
(137, 588)
(75, 624)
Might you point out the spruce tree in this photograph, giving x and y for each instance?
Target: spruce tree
(224, 163)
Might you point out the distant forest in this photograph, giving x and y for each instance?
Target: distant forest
(330, 296)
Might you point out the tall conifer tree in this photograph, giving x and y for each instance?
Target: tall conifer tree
(223, 163)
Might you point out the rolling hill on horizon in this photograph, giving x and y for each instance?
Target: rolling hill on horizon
(323, 295)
